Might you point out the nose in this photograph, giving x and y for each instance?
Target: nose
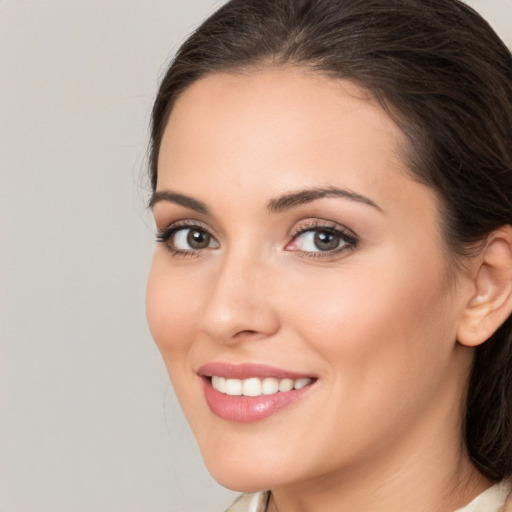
(240, 304)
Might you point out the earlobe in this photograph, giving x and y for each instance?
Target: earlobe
(491, 303)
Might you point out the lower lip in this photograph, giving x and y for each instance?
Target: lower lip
(248, 409)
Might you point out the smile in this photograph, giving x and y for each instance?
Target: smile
(255, 386)
(247, 393)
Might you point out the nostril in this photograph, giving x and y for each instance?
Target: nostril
(247, 333)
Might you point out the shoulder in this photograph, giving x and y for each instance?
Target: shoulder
(256, 502)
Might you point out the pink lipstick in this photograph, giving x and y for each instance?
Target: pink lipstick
(251, 392)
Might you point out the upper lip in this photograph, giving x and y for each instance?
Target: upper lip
(247, 370)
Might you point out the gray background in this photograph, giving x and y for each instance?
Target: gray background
(88, 422)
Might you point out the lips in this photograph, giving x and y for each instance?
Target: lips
(248, 393)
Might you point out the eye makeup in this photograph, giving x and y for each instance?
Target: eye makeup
(310, 239)
(321, 239)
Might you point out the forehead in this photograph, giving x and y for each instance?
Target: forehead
(271, 130)
(287, 103)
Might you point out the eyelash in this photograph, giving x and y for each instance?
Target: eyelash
(349, 238)
(166, 234)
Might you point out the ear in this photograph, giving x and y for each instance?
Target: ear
(491, 302)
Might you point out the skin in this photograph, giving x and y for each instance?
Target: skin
(376, 322)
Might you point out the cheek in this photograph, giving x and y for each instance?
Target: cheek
(171, 310)
(382, 340)
(387, 320)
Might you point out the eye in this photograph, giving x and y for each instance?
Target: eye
(318, 241)
(184, 239)
(321, 239)
(192, 238)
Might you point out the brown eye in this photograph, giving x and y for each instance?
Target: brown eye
(325, 241)
(187, 239)
(196, 238)
(318, 240)
(322, 240)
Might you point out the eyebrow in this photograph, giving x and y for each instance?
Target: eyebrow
(279, 204)
(301, 197)
(181, 199)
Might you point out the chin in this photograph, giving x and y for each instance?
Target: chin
(246, 479)
(244, 465)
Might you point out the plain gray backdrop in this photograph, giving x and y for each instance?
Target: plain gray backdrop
(88, 421)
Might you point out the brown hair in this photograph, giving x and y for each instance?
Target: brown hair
(445, 77)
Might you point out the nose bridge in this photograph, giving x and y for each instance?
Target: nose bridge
(239, 302)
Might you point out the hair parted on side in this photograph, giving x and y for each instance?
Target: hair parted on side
(445, 77)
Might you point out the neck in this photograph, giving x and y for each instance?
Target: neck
(414, 483)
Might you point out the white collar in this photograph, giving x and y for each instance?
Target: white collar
(493, 499)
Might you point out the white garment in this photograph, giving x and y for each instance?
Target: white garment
(491, 500)
(256, 502)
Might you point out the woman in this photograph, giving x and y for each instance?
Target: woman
(332, 283)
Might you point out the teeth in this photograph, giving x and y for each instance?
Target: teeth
(301, 383)
(251, 387)
(270, 386)
(233, 387)
(256, 387)
(286, 385)
(219, 383)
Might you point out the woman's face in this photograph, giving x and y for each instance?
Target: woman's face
(295, 252)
